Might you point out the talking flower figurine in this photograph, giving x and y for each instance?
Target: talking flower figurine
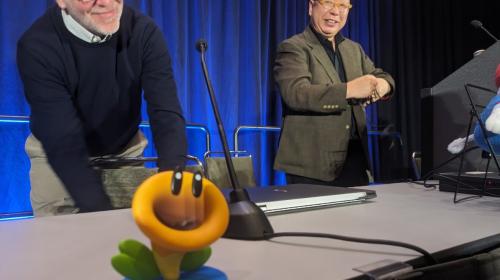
(182, 214)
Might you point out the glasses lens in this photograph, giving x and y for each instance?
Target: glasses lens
(342, 7)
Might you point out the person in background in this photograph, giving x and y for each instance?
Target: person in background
(84, 65)
(325, 82)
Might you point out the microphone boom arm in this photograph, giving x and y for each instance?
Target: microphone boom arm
(247, 221)
(232, 173)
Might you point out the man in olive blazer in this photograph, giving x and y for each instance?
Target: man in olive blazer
(325, 81)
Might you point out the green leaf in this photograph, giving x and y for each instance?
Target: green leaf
(194, 260)
(135, 261)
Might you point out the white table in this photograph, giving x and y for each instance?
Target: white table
(80, 246)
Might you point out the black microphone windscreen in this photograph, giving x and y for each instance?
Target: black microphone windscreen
(476, 23)
(201, 45)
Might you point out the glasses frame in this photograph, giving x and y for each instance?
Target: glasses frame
(341, 7)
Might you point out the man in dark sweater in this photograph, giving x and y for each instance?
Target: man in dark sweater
(84, 65)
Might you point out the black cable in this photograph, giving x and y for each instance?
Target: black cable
(426, 254)
(431, 174)
(427, 185)
(469, 186)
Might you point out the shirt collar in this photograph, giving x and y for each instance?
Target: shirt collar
(81, 32)
(339, 38)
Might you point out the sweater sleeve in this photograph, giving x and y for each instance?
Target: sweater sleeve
(160, 92)
(56, 123)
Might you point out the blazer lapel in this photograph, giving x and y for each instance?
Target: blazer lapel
(348, 55)
(321, 56)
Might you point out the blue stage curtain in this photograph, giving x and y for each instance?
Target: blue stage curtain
(242, 38)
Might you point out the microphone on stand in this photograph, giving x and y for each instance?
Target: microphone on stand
(247, 220)
(478, 24)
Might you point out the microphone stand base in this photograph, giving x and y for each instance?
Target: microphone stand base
(247, 221)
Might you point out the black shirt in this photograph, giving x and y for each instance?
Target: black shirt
(337, 63)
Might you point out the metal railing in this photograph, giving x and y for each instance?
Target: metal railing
(393, 134)
(26, 119)
(244, 128)
(198, 127)
(14, 119)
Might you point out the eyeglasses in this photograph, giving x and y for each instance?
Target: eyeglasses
(328, 5)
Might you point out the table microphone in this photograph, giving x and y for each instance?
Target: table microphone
(478, 24)
(247, 220)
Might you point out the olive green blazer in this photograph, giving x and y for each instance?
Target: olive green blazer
(316, 119)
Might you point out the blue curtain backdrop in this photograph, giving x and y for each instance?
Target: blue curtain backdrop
(242, 37)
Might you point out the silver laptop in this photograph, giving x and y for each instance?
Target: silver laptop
(301, 197)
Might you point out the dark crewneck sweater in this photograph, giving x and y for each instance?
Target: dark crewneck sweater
(85, 98)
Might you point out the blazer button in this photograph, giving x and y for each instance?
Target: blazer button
(347, 127)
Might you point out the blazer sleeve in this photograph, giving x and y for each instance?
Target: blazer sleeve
(369, 68)
(294, 76)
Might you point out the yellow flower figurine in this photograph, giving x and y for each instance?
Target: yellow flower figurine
(179, 212)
